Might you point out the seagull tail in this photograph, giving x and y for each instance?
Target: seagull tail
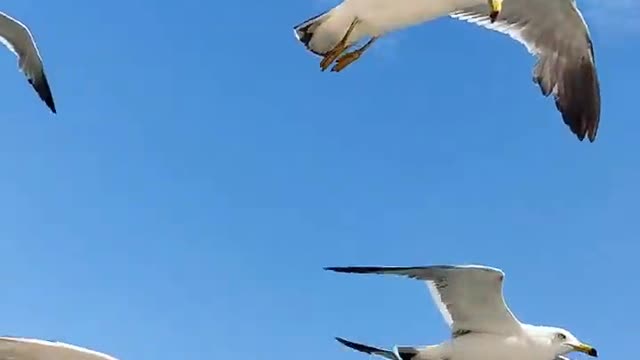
(306, 31)
(323, 32)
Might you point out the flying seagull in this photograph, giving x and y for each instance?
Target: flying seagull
(33, 349)
(552, 30)
(470, 299)
(15, 36)
(398, 352)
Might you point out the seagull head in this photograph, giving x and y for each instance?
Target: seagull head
(564, 342)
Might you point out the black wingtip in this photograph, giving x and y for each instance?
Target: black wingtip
(579, 101)
(347, 269)
(41, 86)
(352, 345)
(576, 88)
(359, 347)
(356, 269)
(51, 106)
(583, 127)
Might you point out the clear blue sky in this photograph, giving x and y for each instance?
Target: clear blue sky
(202, 171)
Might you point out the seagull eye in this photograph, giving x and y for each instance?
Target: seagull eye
(561, 336)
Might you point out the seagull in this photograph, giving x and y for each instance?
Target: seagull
(470, 299)
(15, 36)
(554, 31)
(15, 348)
(398, 352)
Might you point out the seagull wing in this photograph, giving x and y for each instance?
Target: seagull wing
(399, 353)
(555, 32)
(35, 349)
(368, 349)
(18, 39)
(469, 296)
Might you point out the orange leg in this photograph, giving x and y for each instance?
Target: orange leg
(340, 47)
(350, 57)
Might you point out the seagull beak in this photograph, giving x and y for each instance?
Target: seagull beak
(496, 7)
(584, 348)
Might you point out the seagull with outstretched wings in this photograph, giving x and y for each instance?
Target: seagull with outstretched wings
(471, 301)
(552, 30)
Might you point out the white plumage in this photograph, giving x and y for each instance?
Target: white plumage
(470, 298)
(13, 348)
(552, 30)
(378, 17)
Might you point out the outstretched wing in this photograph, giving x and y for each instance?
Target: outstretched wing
(554, 31)
(18, 39)
(399, 353)
(469, 297)
(24, 348)
(387, 354)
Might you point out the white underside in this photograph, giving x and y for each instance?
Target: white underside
(378, 17)
(489, 347)
(35, 349)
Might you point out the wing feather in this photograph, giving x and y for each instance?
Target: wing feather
(470, 295)
(42, 349)
(398, 353)
(556, 33)
(368, 349)
(17, 38)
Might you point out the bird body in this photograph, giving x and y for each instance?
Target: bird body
(470, 300)
(498, 347)
(494, 347)
(377, 18)
(552, 30)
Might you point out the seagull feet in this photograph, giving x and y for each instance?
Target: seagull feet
(348, 58)
(331, 56)
(345, 60)
(340, 47)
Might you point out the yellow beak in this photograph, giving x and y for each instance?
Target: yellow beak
(584, 348)
(496, 5)
(496, 8)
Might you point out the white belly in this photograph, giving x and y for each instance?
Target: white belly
(382, 16)
(495, 347)
(379, 17)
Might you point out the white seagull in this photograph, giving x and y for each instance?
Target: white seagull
(14, 348)
(16, 36)
(552, 30)
(482, 326)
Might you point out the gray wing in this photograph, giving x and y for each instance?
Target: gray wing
(18, 39)
(555, 32)
(469, 297)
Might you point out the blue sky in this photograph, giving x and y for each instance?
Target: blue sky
(202, 171)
